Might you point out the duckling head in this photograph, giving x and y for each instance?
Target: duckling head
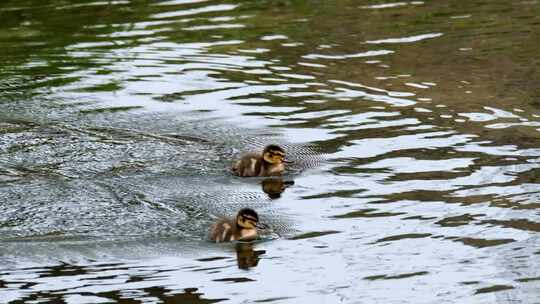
(247, 219)
(274, 154)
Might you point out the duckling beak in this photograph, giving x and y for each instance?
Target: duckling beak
(261, 226)
(287, 161)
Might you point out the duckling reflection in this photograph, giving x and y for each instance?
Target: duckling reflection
(246, 257)
(270, 163)
(243, 228)
(275, 186)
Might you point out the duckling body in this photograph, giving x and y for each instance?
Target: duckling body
(270, 163)
(243, 228)
(226, 230)
(254, 165)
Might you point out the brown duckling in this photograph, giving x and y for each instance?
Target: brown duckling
(243, 228)
(271, 162)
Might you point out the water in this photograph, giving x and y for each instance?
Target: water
(414, 127)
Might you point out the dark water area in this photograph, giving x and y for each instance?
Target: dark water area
(414, 128)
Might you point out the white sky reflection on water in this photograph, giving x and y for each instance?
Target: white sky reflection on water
(405, 39)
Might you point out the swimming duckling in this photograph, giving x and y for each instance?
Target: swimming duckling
(243, 228)
(270, 162)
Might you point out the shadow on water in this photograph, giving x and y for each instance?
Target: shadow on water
(413, 127)
(275, 186)
(246, 256)
(88, 274)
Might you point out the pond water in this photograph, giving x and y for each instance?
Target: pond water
(414, 128)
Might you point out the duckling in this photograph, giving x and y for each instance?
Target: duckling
(270, 162)
(243, 228)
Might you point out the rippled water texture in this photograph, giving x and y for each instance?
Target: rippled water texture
(414, 127)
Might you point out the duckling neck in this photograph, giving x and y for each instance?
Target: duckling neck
(246, 234)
